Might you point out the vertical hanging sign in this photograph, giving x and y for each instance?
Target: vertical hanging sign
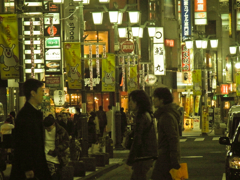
(185, 58)
(72, 56)
(9, 53)
(159, 52)
(238, 84)
(197, 82)
(108, 73)
(200, 12)
(186, 19)
(132, 81)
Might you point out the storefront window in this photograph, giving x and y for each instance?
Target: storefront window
(90, 104)
(105, 101)
(97, 100)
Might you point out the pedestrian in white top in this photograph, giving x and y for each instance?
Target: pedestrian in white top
(6, 128)
(109, 115)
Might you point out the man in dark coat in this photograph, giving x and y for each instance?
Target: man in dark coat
(29, 156)
(167, 116)
(102, 118)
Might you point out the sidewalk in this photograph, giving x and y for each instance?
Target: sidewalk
(192, 132)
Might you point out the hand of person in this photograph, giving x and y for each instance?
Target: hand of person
(29, 174)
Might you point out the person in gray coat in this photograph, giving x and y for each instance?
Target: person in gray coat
(144, 147)
(168, 134)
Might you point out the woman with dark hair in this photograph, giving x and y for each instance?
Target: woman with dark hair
(144, 147)
(92, 138)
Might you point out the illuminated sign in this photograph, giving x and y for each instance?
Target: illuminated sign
(53, 54)
(169, 42)
(185, 58)
(200, 15)
(224, 89)
(52, 81)
(52, 42)
(158, 58)
(59, 97)
(158, 38)
(56, 30)
(150, 79)
(55, 19)
(186, 19)
(53, 67)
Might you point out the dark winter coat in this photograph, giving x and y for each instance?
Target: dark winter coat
(29, 145)
(168, 140)
(62, 145)
(144, 140)
(68, 127)
(92, 138)
(102, 118)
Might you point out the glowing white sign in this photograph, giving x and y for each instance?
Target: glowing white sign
(53, 54)
(158, 58)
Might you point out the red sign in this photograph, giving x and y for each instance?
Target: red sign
(224, 89)
(169, 42)
(200, 5)
(127, 46)
(185, 58)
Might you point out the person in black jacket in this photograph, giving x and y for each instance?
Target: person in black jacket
(29, 156)
(144, 147)
(92, 138)
(67, 125)
(167, 115)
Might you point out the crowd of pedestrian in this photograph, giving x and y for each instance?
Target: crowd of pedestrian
(42, 145)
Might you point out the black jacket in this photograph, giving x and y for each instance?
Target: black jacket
(144, 140)
(168, 135)
(68, 127)
(29, 145)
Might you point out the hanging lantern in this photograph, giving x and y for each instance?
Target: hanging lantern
(189, 44)
(134, 16)
(204, 43)
(233, 49)
(214, 43)
(151, 31)
(122, 32)
(86, 2)
(113, 16)
(198, 43)
(135, 31)
(120, 16)
(97, 17)
(140, 32)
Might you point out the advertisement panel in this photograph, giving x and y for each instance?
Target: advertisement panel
(158, 38)
(108, 73)
(238, 84)
(186, 58)
(72, 55)
(158, 58)
(186, 19)
(132, 80)
(200, 14)
(9, 52)
(52, 81)
(197, 82)
(71, 24)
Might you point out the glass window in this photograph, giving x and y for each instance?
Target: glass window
(105, 101)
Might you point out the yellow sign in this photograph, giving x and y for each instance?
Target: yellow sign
(108, 73)
(132, 80)
(72, 56)
(197, 82)
(197, 102)
(9, 52)
(205, 123)
(238, 84)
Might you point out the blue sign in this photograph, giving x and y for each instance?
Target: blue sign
(186, 19)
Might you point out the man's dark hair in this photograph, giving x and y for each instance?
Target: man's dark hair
(122, 109)
(31, 85)
(13, 114)
(163, 93)
(48, 121)
(100, 108)
(109, 107)
(142, 100)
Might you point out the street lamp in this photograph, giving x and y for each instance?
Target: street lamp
(133, 16)
(189, 44)
(198, 43)
(58, 1)
(97, 17)
(151, 30)
(214, 43)
(85, 2)
(135, 31)
(233, 49)
(122, 32)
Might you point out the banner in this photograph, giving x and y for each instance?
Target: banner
(108, 73)
(186, 61)
(205, 123)
(238, 84)
(72, 56)
(197, 102)
(197, 82)
(9, 52)
(186, 19)
(132, 80)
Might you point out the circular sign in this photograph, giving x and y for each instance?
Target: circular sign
(150, 79)
(127, 46)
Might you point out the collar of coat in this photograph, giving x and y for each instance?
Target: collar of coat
(171, 107)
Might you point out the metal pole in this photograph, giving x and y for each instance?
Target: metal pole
(83, 117)
(21, 64)
(117, 113)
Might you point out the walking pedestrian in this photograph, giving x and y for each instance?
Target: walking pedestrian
(144, 147)
(109, 115)
(77, 123)
(29, 157)
(56, 147)
(102, 118)
(168, 135)
(123, 122)
(92, 137)
(67, 124)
